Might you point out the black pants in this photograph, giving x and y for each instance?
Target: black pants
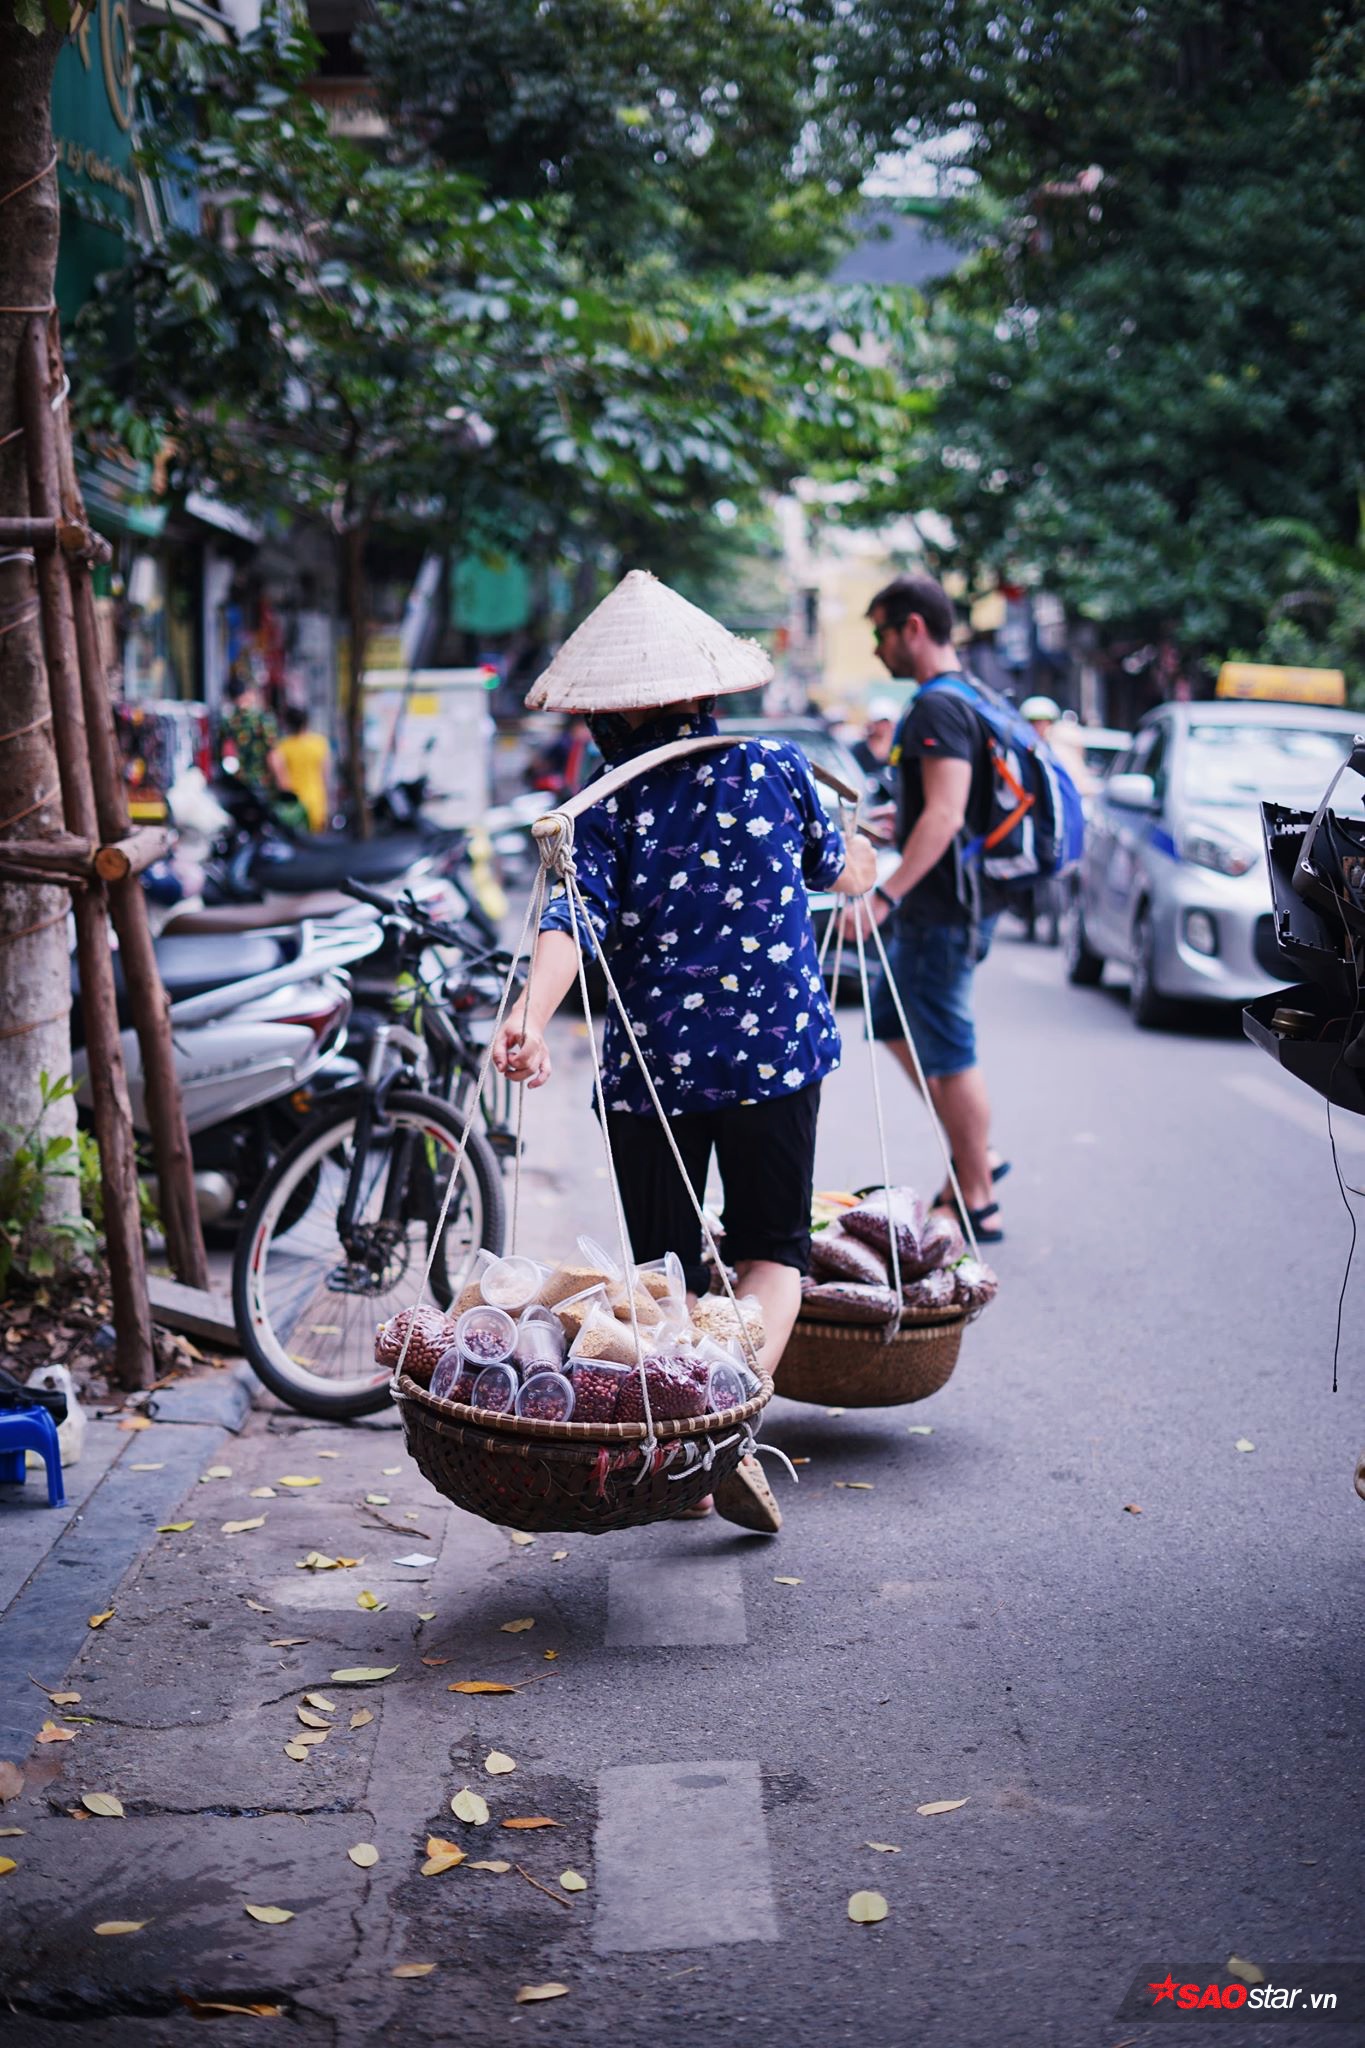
(766, 1155)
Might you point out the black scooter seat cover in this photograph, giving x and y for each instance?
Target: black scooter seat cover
(326, 864)
(191, 966)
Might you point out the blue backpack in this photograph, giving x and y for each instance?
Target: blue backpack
(1035, 828)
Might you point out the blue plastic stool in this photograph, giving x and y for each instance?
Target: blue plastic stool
(30, 1429)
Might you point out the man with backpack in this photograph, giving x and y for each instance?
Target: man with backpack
(981, 811)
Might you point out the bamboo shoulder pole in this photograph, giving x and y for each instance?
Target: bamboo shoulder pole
(133, 1357)
(120, 861)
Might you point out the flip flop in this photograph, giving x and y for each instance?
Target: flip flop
(746, 1499)
(944, 1198)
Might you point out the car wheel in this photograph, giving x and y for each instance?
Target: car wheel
(1149, 1008)
(1084, 967)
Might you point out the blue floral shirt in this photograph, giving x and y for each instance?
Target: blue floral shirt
(695, 878)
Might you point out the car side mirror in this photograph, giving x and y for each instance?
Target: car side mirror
(1132, 792)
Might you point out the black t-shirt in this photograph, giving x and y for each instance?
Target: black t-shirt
(938, 726)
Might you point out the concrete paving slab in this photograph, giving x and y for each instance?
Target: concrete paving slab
(682, 1858)
(29, 1527)
(680, 1601)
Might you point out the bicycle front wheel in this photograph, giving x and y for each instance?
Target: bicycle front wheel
(307, 1302)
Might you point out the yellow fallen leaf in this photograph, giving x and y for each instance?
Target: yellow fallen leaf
(362, 1674)
(300, 1479)
(310, 1719)
(428, 1614)
(136, 1422)
(7, 1864)
(269, 1916)
(497, 1763)
(941, 1806)
(1250, 1973)
(441, 1855)
(884, 1848)
(1244, 1443)
(530, 1820)
(391, 1471)
(362, 1719)
(364, 1855)
(789, 1582)
(159, 1467)
(50, 1732)
(376, 1500)
(104, 1804)
(215, 1472)
(480, 1685)
(470, 1808)
(856, 1485)
(173, 1528)
(370, 1603)
(520, 1538)
(533, 1994)
(98, 1620)
(865, 1909)
(496, 1865)
(516, 1628)
(570, 1881)
(558, 1556)
(919, 1429)
(312, 1736)
(285, 1642)
(836, 1411)
(325, 1330)
(413, 1970)
(8, 1833)
(300, 1751)
(257, 1608)
(120, 1927)
(240, 1528)
(263, 1493)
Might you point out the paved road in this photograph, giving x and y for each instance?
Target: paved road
(1154, 1718)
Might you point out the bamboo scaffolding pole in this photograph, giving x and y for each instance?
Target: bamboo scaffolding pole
(133, 1356)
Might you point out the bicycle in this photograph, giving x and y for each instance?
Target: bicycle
(337, 1234)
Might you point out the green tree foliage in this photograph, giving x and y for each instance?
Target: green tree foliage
(711, 137)
(1151, 374)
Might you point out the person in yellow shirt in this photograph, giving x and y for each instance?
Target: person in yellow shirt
(301, 764)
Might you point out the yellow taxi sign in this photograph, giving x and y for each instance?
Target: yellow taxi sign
(1261, 681)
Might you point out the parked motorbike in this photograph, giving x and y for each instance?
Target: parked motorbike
(253, 1018)
(1315, 1028)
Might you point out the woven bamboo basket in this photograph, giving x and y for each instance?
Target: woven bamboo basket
(860, 1368)
(585, 1478)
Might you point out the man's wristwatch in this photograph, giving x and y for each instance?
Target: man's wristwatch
(891, 902)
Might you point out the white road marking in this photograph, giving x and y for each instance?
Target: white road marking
(681, 1858)
(1302, 1107)
(680, 1601)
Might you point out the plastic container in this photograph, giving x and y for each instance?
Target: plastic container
(600, 1335)
(546, 1397)
(486, 1335)
(495, 1389)
(471, 1293)
(537, 1313)
(724, 1387)
(664, 1280)
(454, 1377)
(575, 1309)
(539, 1346)
(511, 1284)
(596, 1388)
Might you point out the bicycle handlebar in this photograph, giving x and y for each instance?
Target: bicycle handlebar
(407, 911)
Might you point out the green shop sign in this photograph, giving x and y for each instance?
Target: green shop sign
(92, 124)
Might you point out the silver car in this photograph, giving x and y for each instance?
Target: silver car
(1173, 881)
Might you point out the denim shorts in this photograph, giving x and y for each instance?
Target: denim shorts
(933, 965)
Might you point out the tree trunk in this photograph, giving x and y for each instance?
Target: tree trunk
(355, 596)
(35, 998)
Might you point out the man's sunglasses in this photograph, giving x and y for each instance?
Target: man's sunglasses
(879, 633)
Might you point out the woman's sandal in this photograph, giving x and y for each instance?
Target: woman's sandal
(944, 1198)
(746, 1499)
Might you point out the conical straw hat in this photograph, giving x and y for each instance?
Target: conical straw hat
(644, 645)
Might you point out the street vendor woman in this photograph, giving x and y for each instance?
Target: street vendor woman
(695, 878)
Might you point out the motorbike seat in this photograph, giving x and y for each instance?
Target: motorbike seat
(325, 865)
(189, 967)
